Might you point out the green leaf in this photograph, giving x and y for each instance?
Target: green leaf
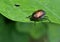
(8, 32)
(2, 24)
(27, 7)
(19, 37)
(36, 30)
(54, 32)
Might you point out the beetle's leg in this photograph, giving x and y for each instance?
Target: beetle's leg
(46, 18)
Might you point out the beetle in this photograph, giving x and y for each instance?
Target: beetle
(38, 15)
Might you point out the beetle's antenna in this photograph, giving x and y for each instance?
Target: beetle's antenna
(28, 16)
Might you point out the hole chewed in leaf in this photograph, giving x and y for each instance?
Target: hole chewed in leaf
(17, 5)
